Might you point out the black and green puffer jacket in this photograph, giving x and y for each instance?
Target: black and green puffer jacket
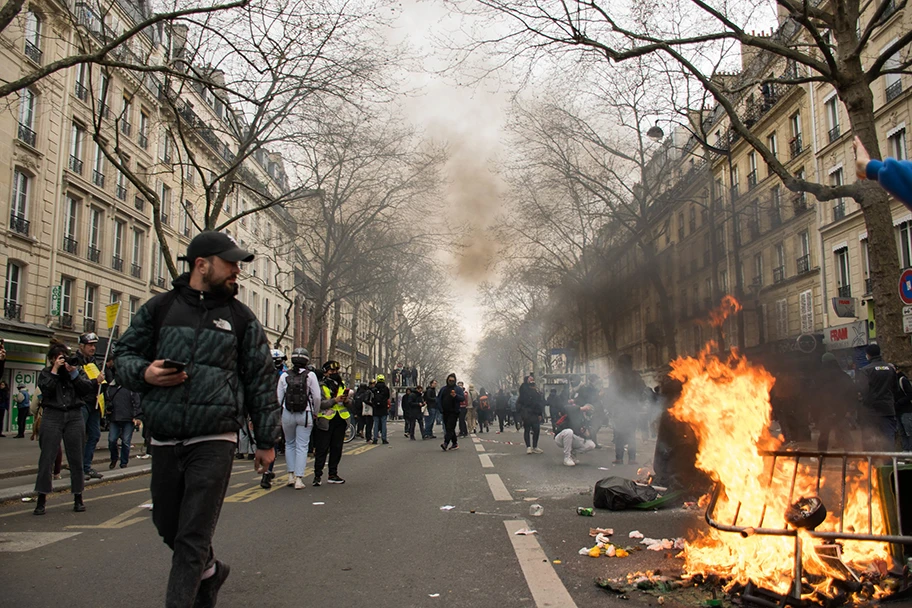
(225, 381)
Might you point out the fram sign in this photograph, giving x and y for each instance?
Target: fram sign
(846, 336)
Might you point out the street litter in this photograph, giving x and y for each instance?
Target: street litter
(536, 510)
(27, 499)
(603, 538)
(636, 534)
(447, 508)
(604, 469)
(148, 505)
(433, 595)
(319, 503)
(596, 531)
(525, 532)
(617, 493)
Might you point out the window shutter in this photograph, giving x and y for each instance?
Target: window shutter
(782, 319)
(807, 311)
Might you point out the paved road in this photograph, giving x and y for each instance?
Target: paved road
(381, 540)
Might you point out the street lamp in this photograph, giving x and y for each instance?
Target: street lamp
(655, 132)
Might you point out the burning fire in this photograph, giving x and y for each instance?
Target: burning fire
(727, 402)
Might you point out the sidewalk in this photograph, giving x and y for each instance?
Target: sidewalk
(19, 466)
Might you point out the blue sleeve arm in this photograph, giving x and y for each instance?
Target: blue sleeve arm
(895, 176)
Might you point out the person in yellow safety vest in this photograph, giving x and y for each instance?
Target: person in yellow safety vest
(331, 423)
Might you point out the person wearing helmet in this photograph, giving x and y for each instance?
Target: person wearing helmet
(298, 392)
(331, 423)
(279, 359)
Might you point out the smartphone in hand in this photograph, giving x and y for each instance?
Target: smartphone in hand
(177, 366)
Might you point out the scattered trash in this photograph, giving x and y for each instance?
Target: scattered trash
(661, 600)
(585, 511)
(604, 469)
(525, 532)
(433, 595)
(636, 534)
(597, 531)
(584, 551)
(521, 490)
(346, 569)
(447, 508)
(557, 561)
(319, 503)
(536, 510)
(621, 553)
(148, 505)
(595, 552)
(27, 499)
(610, 551)
(603, 539)
(618, 494)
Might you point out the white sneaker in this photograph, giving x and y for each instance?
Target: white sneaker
(291, 480)
(530, 451)
(569, 462)
(299, 483)
(538, 450)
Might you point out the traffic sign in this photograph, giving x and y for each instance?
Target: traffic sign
(905, 286)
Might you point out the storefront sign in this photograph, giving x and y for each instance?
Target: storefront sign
(849, 335)
(844, 307)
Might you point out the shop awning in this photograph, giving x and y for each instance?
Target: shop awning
(27, 343)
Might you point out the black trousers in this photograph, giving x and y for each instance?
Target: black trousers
(449, 426)
(329, 442)
(57, 425)
(502, 418)
(188, 488)
(23, 413)
(463, 429)
(532, 428)
(625, 435)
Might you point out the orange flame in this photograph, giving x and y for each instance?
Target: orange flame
(727, 403)
(726, 308)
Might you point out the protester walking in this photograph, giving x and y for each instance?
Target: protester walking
(332, 422)
(123, 410)
(198, 356)
(299, 393)
(91, 413)
(449, 401)
(430, 402)
(877, 383)
(484, 412)
(381, 404)
(412, 404)
(531, 409)
(501, 408)
(463, 412)
(23, 400)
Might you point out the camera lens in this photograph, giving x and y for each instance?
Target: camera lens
(72, 360)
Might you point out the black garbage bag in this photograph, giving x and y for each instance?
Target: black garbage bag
(618, 494)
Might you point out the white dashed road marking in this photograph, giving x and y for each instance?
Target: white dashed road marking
(547, 589)
(498, 489)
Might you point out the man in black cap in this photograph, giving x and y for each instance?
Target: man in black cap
(199, 358)
(877, 385)
(91, 413)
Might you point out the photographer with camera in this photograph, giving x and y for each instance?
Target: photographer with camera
(91, 413)
(63, 390)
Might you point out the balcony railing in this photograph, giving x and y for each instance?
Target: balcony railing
(75, 165)
(839, 210)
(803, 264)
(26, 135)
(845, 291)
(778, 274)
(19, 224)
(752, 179)
(98, 178)
(12, 310)
(140, 203)
(834, 133)
(32, 52)
(754, 227)
(795, 146)
(799, 202)
(117, 263)
(82, 93)
(136, 270)
(160, 281)
(93, 254)
(869, 286)
(164, 219)
(70, 245)
(143, 141)
(126, 128)
(893, 91)
(66, 321)
(88, 325)
(121, 192)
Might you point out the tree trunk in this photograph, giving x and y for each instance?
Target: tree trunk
(354, 340)
(337, 317)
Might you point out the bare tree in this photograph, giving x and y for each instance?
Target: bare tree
(827, 43)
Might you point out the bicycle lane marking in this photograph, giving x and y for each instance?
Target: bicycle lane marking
(254, 492)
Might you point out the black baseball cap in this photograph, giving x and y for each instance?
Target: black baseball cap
(210, 243)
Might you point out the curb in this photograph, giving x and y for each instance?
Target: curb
(19, 493)
(33, 470)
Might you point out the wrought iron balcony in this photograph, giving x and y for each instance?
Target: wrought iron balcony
(26, 135)
(160, 281)
(82, 93)
(93, 254)
(778, 274)
(803, 264)
(19, 224)
(70, 245)
(104, 110)
(795, 146)
(88, 325)
(75, 165)
(834, 133)
(845, 291)
(751, 179)
(66, 321)
(143, 141)
(32, 52)
(799, 202)
(136, 270)
(126, 128)
(98, 178)
(121, 192)
(117, 263)
(839, 210)
(893, 91)
(12, 310)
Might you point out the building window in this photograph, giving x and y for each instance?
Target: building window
(143, 138)
(33, 27)
(98, 167)
(19, 206)
(905, 244)
(103, 86)
(842, 273)
(186, 220)
(839, 206)
(680, 227)
(782, 319)
(723, 281)
(758, 270)
(775, 206)
(82, 77)
(27, 101)
(752, 177)
(804, 251)
(126, 109)
(13, 293)
(120, 228)
(66, 296)
(77, 138)
(71, 224)
(779, 270)
(134, 307)
(89, 311)
(832, 116)
(795, 144)
(165, 202)
(266, 312)
(866, 265)
(892, 82)
(896, 145)
(693, 220)
(773, 144)
(95, 222)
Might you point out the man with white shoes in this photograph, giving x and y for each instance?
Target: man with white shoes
(572, 434)
(298, 392)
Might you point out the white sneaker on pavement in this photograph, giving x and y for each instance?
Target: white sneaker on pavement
(291, 480)
(538, 450)
(299, 483)
(530, 451)
(569, 462)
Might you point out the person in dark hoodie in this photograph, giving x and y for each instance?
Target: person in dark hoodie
(381, 404)
(531, 409)
(430, 401)
(449, 400)
(838, 397)
(502, 408)
(411, 410)
(876, 383)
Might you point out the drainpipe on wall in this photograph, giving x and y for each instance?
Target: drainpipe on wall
(820, 219)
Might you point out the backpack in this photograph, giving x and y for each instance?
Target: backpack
(903, 385)
(297, 397)
(484, 405)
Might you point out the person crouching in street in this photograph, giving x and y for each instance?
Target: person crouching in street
(63, 391)
(332, 421)
(198, 357)
(572, 433)
(449, 402)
